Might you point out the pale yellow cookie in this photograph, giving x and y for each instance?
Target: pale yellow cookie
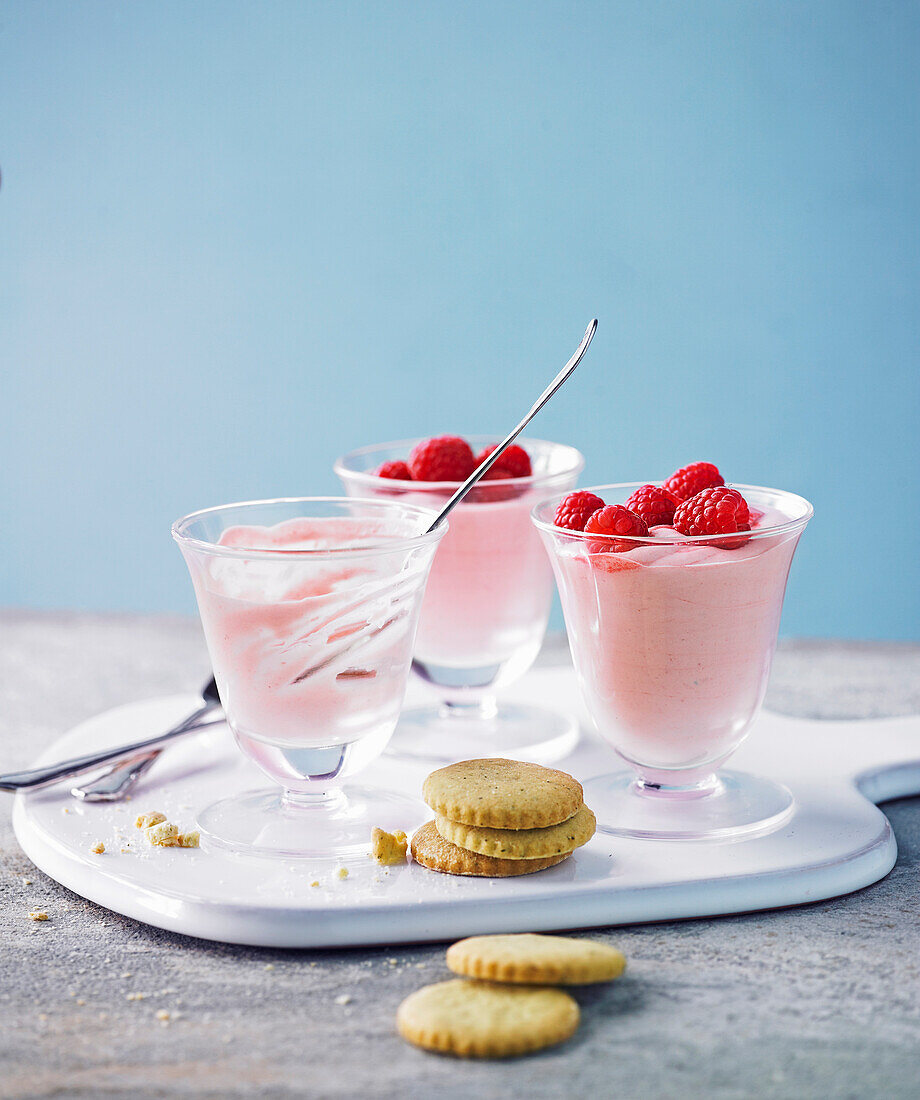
(483, 1020)
(388, 848)
(554, 840)
(431, 850)
(529, 959)
(502, 794)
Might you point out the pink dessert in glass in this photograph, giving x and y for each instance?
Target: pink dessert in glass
(487, 601)
(672, 636)
(309, 609)
(269, 625)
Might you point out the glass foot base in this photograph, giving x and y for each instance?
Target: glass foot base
(525, 733)
(337, 825)
(736, 805)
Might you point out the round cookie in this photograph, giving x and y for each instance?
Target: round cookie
(431, 850)
(502, 794)
(529, 959)
(554, 840)
(482, 1020)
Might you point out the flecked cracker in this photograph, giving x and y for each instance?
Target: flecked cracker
(554, 840)
(431, 850)
(482, 1020)
(502, 794)
(529, 959)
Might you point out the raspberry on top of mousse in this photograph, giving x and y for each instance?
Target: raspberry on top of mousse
(654, 504)
(711, 509)
(514, 461)
(717, 511)
(690, 480)
(445, 458)
(576, 509)
(395, 469)
(614, 519)
(450, 458)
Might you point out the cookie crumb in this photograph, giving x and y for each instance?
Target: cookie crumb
(342, 873)
(269, 966)
(144, 821)
(98, 848)
(388, 848)
(80, 1001)
(162, 835)
(189, 840)
(163, 1016)
(343, 999)
(315, 882)
(26, 882)
(38, 914)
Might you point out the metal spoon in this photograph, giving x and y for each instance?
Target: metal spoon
(114, 783)
(117, 781)
(487, 464)
(54, 773)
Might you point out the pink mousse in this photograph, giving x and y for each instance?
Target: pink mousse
(490, 588)
(269, 620)
(673, 643)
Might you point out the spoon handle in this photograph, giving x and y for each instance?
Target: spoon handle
(488, 463)
(54, 773)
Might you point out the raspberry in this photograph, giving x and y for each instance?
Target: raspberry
(395, 469)
(446, 458)
(653, 504)
(614, 520)
(575, 509)
(690, 480)
(490, 493)
(717, 511)
(514, 459)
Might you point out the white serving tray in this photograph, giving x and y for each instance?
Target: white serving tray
(836, 841)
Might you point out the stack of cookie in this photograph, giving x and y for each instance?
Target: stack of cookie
(503, 1003)
(496, 818)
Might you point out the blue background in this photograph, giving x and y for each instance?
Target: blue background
(238, 239)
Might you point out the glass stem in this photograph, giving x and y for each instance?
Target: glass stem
(701, 789)
(300, 801)
(479, 710)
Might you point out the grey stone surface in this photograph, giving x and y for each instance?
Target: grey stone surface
(821, 1001)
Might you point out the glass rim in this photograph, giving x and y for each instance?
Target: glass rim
(372, 549)
(342, 470)
(763, 532)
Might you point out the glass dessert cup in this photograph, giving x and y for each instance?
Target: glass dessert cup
(485, 610)
(309, 608)
(672, 643)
